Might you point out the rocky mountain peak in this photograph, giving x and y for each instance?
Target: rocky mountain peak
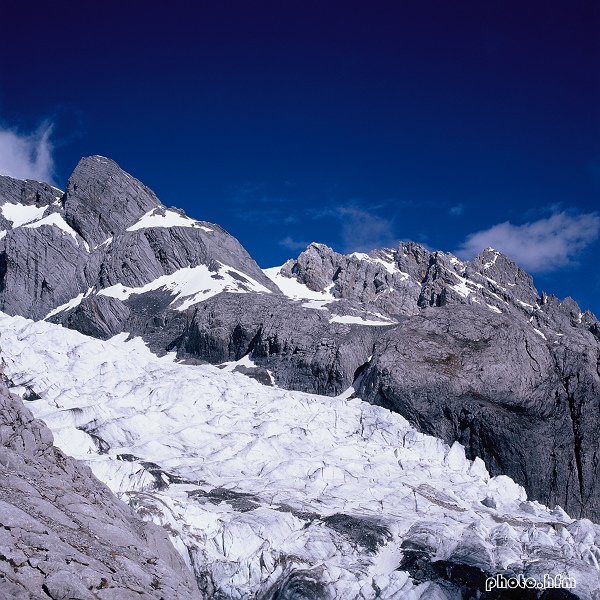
(101, 199)
(102, 241)
(402, 281)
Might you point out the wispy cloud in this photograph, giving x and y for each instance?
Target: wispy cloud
(457, 210)
(292, 244)
(539, 246)
(363, 231)
(27, 156)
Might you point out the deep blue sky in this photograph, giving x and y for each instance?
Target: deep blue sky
(350, 123)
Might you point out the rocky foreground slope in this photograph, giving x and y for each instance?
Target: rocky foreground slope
(63, 534)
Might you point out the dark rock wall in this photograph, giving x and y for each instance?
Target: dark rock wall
(299, 345)
(528, 408)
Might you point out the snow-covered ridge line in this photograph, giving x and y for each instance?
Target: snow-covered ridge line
(259, 483)
(159, 217)
(295, 290)
(192, 284)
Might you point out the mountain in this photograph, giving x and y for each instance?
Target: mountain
(109, 237)
(467, 352)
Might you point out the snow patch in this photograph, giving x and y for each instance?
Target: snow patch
(56, 220)
(493, 308)
(21, 214)
(245, 361)
(192, 284)
(389, 266)
(293, 289)
(168, 218)
(70, 304)
(489, 264)
(351, 319)
(317, 304)
(106, 242)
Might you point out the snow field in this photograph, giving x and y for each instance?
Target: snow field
(255, 483)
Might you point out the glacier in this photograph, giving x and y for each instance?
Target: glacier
(269, 493)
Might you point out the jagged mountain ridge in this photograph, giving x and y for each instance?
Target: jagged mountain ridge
(467, 351)
(106, 229)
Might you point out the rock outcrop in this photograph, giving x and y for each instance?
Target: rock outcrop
(526, 405)
(302, 347)
(63, 534)
(107, 228)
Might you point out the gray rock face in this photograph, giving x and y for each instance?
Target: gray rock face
(40, 269)
(101, 200)
(99, 316)
(371, 280)
(82, 241)
(64, 535)
(404, 280)
(27, 193)
(302, 349)
(527, 407)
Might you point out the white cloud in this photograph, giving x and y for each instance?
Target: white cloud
(292, 244)
(27, 156)
(540, 246)
(362, 231)
(457, 210)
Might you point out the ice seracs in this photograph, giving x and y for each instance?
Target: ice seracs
(261, 487)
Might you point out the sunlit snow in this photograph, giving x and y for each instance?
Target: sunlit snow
(295, 290)
(20, 214)
(351, 319)
(167, 218)
(252, 475)
(70, 304)
(191, 285)
(55, 219)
